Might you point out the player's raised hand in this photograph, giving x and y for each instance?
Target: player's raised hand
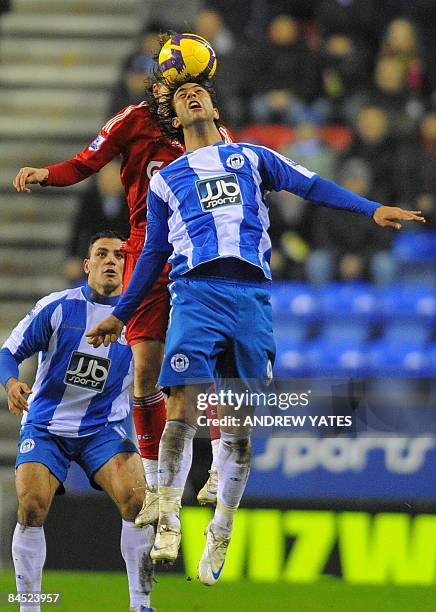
(18, 393)
(27, 176)
(388, 216)
(107, 331)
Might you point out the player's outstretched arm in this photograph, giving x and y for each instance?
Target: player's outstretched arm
(17, 393)
(108, 144)
(279, 172)
(388, 216)
(105, 332)
(29, 176)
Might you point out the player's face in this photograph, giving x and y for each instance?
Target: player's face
(193, 103)
(105, 266)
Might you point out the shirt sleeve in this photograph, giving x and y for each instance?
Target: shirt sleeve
(328, 193)
(152, 259)
(8, 366)
(109, 143)
(30, 336)
(279, 172)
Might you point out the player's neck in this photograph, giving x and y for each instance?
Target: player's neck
(201, 134)
(101, 293)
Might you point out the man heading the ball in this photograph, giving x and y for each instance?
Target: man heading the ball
(76, 411)
(208, 208)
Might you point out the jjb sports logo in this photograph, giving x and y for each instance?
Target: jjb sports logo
(87, 372)
(219, 191)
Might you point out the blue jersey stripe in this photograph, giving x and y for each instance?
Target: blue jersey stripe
(250, 229)
(200, 225)
(53, 387)
(100, 407)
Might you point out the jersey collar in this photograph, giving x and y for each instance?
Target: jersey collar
(92, 296)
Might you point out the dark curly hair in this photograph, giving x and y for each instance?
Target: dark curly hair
(163, 111)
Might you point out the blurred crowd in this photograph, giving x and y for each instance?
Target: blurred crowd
(344, 87)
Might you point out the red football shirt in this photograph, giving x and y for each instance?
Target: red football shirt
(135, 135)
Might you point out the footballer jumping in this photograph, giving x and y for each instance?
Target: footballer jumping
(208, 209)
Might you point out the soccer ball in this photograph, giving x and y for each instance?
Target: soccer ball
(187, 56)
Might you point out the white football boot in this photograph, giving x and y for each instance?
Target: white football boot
(207, 495)
(149, 513)
(166, 544)
(214, 555)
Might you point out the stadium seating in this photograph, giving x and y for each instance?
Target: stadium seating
(59, 61)
(415, 247)
(355, 300)
(335, 357)
(297, 300)
(408, 301)
(290, 359)
(415, 253)
(354, 329)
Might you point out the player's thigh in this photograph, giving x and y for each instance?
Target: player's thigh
(122, 478)
(199, 329)
(36, 487)
(150, 320)
(254, 345)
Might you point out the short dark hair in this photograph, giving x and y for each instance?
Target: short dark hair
(162, 108)
(104, 234)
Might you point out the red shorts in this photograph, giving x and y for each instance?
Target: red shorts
(150, 321)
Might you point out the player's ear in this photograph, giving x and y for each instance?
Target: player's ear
(176, 123)
(216, 113)
(86, 265)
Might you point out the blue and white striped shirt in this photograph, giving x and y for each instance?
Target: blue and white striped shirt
(78, 389)
(210, 204)
(214, 200)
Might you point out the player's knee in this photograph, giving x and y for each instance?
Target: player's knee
(176, 404)
(146, 375)
(32, 510)
(131, 504)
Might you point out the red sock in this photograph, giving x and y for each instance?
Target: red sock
(214, 430)
(149, 416)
